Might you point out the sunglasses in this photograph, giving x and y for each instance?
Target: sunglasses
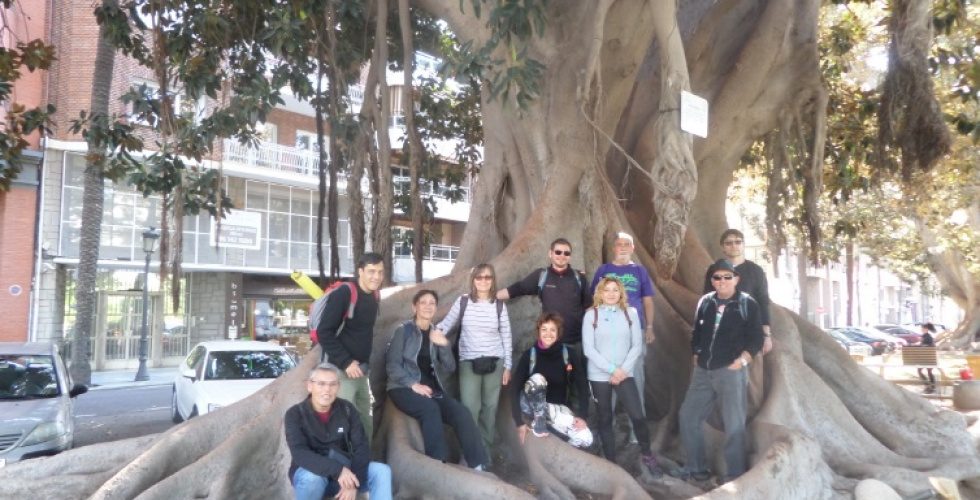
(566, 253)
(726, 277)
(733, 242)
(483, 277)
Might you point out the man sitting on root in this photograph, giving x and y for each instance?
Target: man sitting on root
(329, 449)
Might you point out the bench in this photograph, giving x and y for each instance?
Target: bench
(917, 357)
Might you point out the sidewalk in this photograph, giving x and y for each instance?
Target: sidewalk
(115, 379)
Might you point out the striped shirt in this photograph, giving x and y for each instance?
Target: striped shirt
(479, 335)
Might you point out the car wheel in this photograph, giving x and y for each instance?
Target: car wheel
(174, 412)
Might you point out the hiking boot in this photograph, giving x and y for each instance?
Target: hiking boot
(685, 473)
(650, 462)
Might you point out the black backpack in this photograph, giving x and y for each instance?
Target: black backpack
(579, 280)
(743, 298)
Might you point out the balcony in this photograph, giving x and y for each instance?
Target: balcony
(267, 160)
(273, 157)
(438, 261)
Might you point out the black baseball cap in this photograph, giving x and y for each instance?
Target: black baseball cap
(725, 265)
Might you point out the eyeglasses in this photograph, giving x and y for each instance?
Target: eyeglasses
(566, 253)
(483, 277)
(726, 277)
(729, 243)
(321, 383)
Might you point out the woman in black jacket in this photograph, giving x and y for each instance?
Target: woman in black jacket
(542, 380)
(418, 358)
(928, 340)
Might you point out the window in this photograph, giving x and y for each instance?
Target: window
(267, 132)
(306, 140)
(150, 90)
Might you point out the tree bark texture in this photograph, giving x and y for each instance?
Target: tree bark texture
(90, 234)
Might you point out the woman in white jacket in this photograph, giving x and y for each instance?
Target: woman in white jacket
(613, 342)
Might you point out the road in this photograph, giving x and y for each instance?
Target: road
(113, 414)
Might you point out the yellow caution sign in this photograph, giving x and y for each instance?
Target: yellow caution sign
(307, 284)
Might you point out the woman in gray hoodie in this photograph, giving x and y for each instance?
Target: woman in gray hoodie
(613, 342)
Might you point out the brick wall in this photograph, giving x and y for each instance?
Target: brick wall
(16, 259)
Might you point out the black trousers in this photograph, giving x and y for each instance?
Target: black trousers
(629, 396)
(432, 413)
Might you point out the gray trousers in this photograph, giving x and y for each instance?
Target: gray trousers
(727, 388)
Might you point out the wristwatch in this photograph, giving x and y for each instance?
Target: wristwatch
(744, 362)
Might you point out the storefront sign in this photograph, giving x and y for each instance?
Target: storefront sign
(239, 229)
(273, 287)
(235, 310)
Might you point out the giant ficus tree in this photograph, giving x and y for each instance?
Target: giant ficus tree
(580, 110)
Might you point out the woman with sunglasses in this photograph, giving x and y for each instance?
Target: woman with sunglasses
(485, 348)
(418, 360)
(613, 340)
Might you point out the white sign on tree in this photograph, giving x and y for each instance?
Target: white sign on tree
(694, 114)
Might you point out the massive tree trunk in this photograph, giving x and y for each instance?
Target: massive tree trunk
(818, 421)
(953, 272)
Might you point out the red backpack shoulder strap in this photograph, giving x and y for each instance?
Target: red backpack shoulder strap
(353, 299)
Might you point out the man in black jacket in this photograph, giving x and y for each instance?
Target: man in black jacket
(330, 452)
(727, 334)
(347, 338)
(752, 278)
(564, 291)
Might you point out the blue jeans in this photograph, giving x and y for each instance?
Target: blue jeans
(310, 486)
(726, 388)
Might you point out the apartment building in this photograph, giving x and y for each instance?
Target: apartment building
(238, 288)
(18, 207)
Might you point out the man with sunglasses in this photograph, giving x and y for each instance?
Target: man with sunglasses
(727, 334)
(752, 278)
(562, 291)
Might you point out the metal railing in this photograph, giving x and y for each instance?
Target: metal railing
(402, 186)
(273, 156)
(443, 253)
(301, 161)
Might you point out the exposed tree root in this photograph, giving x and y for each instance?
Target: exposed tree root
(67, 476)
(418, 476)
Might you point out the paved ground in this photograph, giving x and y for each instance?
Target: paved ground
(127, 378)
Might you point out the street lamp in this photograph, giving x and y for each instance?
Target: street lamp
(150, 237)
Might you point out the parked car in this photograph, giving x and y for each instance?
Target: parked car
(891, 339)
(852, 347)
(911, 336)
(37, 405)
(857, 334)
(219, 373)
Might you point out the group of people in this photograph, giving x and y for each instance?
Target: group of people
(590, 344)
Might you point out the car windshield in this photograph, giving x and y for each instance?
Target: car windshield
(855, 335)
(27, 377)
(238, 365)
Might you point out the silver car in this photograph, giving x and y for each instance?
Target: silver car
(36, 402)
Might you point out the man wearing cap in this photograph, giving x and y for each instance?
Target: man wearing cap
(752, 278)
(727, 334)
